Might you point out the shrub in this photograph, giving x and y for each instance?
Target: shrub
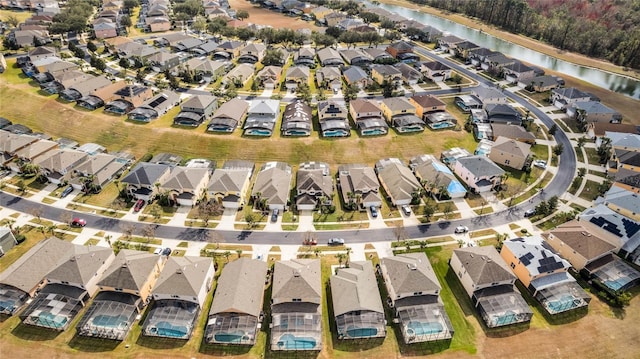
(20, 238)
(147, 157)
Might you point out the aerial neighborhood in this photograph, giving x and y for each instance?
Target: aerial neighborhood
(335, 179)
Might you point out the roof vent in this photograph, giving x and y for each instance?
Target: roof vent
(296, 273)
(412, 266)
(179, 271)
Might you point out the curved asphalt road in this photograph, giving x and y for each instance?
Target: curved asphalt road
(557, 186)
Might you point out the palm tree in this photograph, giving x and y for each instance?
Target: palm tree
(348, 253)
(239, 253)
(226, 255)
(341, 257)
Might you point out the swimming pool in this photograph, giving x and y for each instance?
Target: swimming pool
(291, 342)
(49, 320)
(565, 303)
(258, 133)
(7, 306)
(614, 284)
(373, 132)
(356, 332)
(440, 125)
(232, 337)
(166, 329)
(420, 328)
(110, 321)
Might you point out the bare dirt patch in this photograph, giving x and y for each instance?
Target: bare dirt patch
(261, 16)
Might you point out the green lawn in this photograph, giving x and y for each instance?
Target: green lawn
(590, 191)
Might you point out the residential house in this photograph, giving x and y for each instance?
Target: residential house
(305, 56)
(386, 74)
(104, 28)
(489, 95)
(410, 75)
(467, 103)
(463, 49)
(209, 70)
(518, 72)
(625, 151)
(269, 77)
(83, 88)
(229, 116)
(448, 43)
(26, 37)
(435, 71)
(185, 44)
(479, 173)
(622, 201)
(96, 172)
(229, 185)
(68, 287)
(511, 153)
(490, 285)
(621, 231)
(564, 97)
(541, 83)
(158, 23)
(397, 180)
(228, 50)
(185, 186)
(297, 119)
(356, 57)
(133, 50)
(237, 303)
(414, 297)
(401, 114)
(357, 306)
(240, 75)
(295, 76)
(320, 12)
(142, 179)
(128, 98)
(545, 274)
(592, 111)
(163, 61)
(329, 57)
(597, 130)
(329, 78)
(333, 119)
(252, 53)
(125, 289)
(64, 80)
(41, 53)
(261, 117)
(378, 55)
(11, 143)
(497, 113)
(178, 297)
(296, 305)
(334, 18)
(359, 186)
(426, 104)
(7, 241)
(154, 107)
(273, 185)
(436, 177)
(172, 40)
(205, 48)
(101, 96)
(195, 110)
(367, 117)
(168, 159)
(356, 76)
(57, 165)
(402, 51)
(314, 186)
(513, 132)
(33, 153)
(496, 62)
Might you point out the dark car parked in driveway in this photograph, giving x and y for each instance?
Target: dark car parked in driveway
(66, 192)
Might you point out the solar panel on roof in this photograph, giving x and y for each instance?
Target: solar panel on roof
(630, 227)
(526, 259)
(155, 103)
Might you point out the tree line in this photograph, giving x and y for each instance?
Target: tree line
(602, 28)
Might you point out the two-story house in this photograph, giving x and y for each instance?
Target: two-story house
(367, 116)
(334, 119)
(314, 186)
(229, 185)
(262, 116)
(398, 181)
(400, 113)
(359, 186)
(479, 173)
(142, 179)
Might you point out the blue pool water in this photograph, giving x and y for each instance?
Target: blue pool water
(231, 337)
(565, 303)
(51, 320)
(7, 305)
(334, 134)
(425, 328)
(373, 132)
(259, 133)
(291, 342)
(166, 329)
(110, 321)
(614, 284)
(440, 125)
(355, 332)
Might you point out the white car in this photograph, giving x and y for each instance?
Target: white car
(336, 241)
(540, 164)
(461, 229)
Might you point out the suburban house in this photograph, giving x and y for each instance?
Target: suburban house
(626, 152)
(462, 49)
(367, 117)
(490, 285)
(314, 186)
(497, 113)
(125, 288)
(229, 185)
(467, 103)
(518, 72)
(542, 83)
(377, 54)
(186, 185)
(168, 159)
(544, 274)
(84, 88)
(68, 287)
(141, 180)
(386, 74)
(229, 116)
(273, 185)
(22, 279)
(511, 153)
(96, 172)
(435, 71)
(305, 56)
(240, 75)
(356, 76)
(329, 57)
(622, 201)
(591, 254)
(205, 48)
(496, 62)
(185, 44)
(401, 50)
(104, 29)
(619, 230)
(357, 306)
(401, 114)
(57, 165)
(128, 98)
(235, 316)
(359, 186)
(334, 119)
(163, 61)
(7, 240)
(334, 18)
(329, 78)
(154, 107)
(195, 110)
(356, 57)
(598, 130)
(33, 153)
(436, 177)
(252, 53)
(513, 132)
(563, 97)
(488, 95)
(296, 305)
(11, 144)
(262, 116)
(410, 75)
(135, 50)
(295, 76)
(448, 43)
(269, 77)
(397, 180)
(479, 173)
(41, 53)
(101, 96)
(210, 70)
(297, 119)
(593, 111)
(414, 297)
(178, 297)
(64, 80)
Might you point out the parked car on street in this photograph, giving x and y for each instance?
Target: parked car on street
(530, 213)
(336, 241)
(461, 229)
(78, 222)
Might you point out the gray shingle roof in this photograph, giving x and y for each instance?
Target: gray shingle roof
(297, 278)
(145, 173)
(411, 273)
(481, 166)
(183, 276)
(355, 289)
(240, 288)
(130, 270)
(484, 265)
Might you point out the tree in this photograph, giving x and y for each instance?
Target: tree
(581, 141)
(558, 149)
(226, 255)
(98, 63)
(350, 91)
(239, 253)
(334, 31)
(91, 46)
(155, 210)
(273, 57)
(149, 232)
(125, 64)
(304, 92)
(130, 4)
(66, 217)
(348, 254)
(447, 209)
(125, 21)
(604, 150)
(581, 172)
(369, 17)
(36, 212)
(341, 257)
(242, 14)
(250, 219)
(427, 212)
(208, 209)
(199, 24)
(387, 89)
(553, 129)
(12, 20)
